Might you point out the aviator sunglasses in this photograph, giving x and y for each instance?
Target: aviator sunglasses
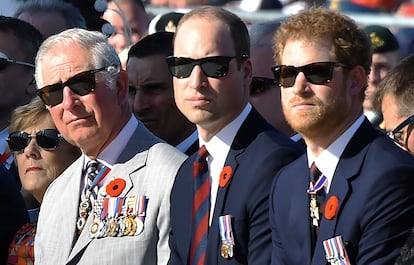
(47, 139)
(82, 84)
(397, 135)
(5, 61)
(214, 66)
(261, 84)
(319, 73)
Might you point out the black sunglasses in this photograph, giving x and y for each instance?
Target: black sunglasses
(82, 84)
(214, 66)
(5, 61)
(319, 73)
(47, 139)
(261, 84)
(396, 134)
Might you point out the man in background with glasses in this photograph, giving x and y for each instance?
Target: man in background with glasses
(19, 42)
(111, 206)
(349, 199)
(212, 73)
(394, 98)
(264, 91)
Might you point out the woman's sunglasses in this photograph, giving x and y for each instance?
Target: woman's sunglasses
(261, 84)
(214, 66)
(47, 139)
(397, 135)
(319, 73)
(5, 61)
(82, 84)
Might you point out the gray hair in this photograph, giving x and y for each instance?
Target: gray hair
(102, 53)
(71, 14)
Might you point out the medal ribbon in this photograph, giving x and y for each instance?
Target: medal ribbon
(226, 231)
(142, 206)
(320, 183)
(335, 251)
(99, 177)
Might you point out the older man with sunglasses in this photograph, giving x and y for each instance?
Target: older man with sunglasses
(349, 199)
(111, 206)
(219, 215)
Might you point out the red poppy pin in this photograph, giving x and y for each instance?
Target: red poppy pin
(331, 207)
(225, 176)
(115, 187)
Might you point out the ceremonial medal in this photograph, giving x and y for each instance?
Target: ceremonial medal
(225, 250)
(314, 210)
(335, 251)
(94, 228)
(133, 226)
(128, 225)
(140, 226)
(112, 228)
(226, 235)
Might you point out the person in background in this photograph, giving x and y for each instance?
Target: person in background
(151, 92)
(19, 42)
(264, 91)
(14, 211)
(130, 21)
(50, 16)
(394, 98)
(349, 198)
(41, 155)
(386, 55)
(212, 73)
(111, 206)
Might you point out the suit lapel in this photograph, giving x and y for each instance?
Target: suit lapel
(347, 169)
(124, 171)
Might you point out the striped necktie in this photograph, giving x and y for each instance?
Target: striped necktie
(201, 208)
(314, 176)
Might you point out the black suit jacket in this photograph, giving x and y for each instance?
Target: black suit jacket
(13, 211)
(256, 154)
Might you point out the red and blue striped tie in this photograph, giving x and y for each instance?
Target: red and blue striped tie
(201, 208)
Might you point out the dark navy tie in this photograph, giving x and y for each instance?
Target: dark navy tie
(201, 208)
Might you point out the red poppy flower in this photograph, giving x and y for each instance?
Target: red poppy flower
(331, 207)
(225, 176)
(115, 187)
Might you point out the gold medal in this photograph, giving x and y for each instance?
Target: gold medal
(127, 225)
(224, 250)
(133, 226)
(112, 228)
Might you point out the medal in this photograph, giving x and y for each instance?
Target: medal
(335, 251)
(140, 227)
(314, 210)
(224, 250)
(226, 235)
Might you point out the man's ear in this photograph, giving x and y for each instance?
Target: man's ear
(358, 80)
(122, 86)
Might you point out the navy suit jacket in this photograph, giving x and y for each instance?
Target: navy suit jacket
(256, 154)
(14, 213)
(374, 183)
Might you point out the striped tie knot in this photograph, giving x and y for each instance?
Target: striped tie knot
(92, 169)
(315, 173)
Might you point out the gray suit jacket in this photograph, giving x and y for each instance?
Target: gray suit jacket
(149, 168)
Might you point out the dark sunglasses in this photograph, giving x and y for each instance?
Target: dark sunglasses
(214, 66)
(82, 84)
(319, 73)
(47, 139)
(261, 84)
(5, 61)
(396, 134)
